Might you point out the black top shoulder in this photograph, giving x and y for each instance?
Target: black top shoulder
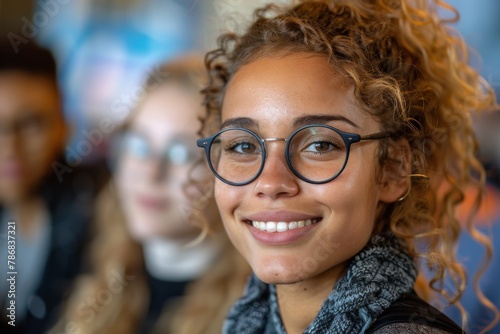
(69, 199)
(410, 309)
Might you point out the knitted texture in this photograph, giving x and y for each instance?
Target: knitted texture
(376, 277)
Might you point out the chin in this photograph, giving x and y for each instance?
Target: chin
(141, 237)
(279, 277)
(279, 273)
(13, 194)
(144, 233)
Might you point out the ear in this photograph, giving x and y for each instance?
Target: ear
(395, 171)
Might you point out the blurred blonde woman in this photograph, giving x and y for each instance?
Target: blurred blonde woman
(152, 268)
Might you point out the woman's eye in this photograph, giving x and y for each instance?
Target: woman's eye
(137, 146)
(320, 147)
(245, 148)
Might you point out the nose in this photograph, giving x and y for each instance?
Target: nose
(10, 142)
(276, 179)
(156, 168)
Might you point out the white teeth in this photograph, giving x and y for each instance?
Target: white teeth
(283, 226)
(271, 227)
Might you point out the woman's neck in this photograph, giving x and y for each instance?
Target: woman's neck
(300, 303)
(173, 260)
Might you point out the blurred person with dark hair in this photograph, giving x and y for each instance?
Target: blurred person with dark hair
(157, 266)
(44, 210)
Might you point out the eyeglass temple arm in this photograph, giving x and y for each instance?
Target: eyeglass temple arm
(373, 136)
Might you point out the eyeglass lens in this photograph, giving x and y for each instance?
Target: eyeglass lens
(179, 151)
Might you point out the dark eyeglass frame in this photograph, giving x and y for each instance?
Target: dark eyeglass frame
(349, 138)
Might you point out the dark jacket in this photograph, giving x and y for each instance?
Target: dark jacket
(69, 200)
(410, 314)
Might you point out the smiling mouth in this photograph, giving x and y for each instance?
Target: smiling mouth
(283, 226)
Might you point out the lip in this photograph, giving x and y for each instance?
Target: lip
(152, 203)
(280, 238)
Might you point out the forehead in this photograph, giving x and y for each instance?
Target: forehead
(27, 93)
(168, 110)
(279, 88)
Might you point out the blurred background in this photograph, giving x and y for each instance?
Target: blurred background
(105, 48)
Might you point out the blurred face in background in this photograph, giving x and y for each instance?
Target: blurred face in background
(32, 132)
(158, 151)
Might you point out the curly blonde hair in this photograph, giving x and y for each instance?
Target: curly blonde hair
(114, 296)
(410, 70)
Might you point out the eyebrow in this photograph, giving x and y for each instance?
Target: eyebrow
(239, 122)
(245, 122)
(321, 119)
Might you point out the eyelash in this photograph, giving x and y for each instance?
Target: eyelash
(231, 147)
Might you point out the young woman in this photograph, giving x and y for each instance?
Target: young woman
(339, 133)
(151, 272)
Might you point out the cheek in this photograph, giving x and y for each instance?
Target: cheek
(126, 181)
(357, 185)
(177, 185)
(351, 199)
(223, 201)
(42, 151)
(180, 175)
(38, 156)
(132, 173)
(228, 197)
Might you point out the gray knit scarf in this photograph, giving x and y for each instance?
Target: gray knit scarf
(376, 277)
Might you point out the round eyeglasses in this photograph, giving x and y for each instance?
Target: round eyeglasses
(179, 151)
(315, 153)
